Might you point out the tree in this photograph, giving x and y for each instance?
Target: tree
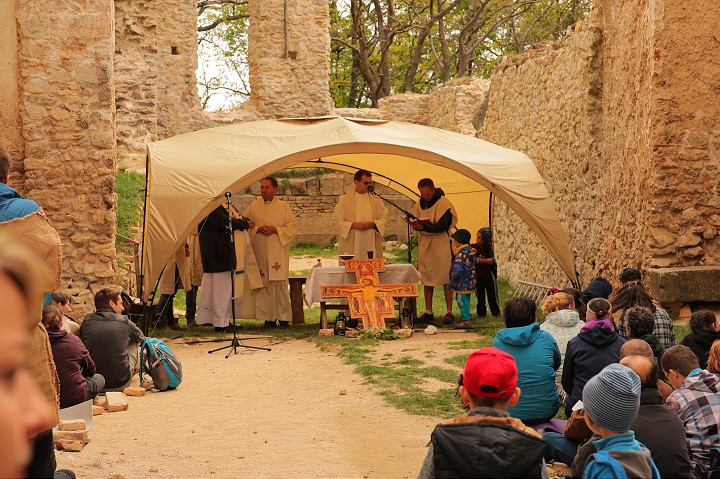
(381, 47)
(222, 50)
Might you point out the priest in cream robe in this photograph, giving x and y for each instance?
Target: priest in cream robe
(274, 229)
(361, 219)
(435, 216)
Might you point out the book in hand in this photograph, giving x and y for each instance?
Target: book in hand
(418, 222)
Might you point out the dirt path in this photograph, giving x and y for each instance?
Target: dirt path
(257, 414)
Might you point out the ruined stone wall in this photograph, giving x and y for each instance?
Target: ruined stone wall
(66, 112)
(572, 108)
(155, 63)
(685, 138)
(313, 201)
(289, 58)
(10, 124)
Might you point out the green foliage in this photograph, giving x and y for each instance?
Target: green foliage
(385, 334)
(388, 46)
(130, 189)
(302, 173)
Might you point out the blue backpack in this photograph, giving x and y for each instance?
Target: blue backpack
(618, 471)
(157, 360)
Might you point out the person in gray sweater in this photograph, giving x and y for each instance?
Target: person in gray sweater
(112, 340)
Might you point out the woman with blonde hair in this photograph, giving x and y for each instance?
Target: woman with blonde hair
(713, 362)
(563, 323)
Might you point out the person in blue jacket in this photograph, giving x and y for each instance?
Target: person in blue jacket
(12, 204)
(611, 400)
(537, 356)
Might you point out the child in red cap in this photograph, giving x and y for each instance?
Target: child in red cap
(486, 442)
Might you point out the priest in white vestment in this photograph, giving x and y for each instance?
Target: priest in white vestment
(361, 219)
(435, 216)
(274, 229)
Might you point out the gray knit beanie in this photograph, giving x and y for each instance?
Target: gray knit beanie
(612, 397)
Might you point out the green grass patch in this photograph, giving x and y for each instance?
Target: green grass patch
(408, 361)
(458, 360)
(130, 188)
(316, 251)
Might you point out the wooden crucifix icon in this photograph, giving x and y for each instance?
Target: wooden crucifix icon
(369, 300)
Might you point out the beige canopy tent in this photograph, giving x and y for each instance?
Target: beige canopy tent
(188, 175)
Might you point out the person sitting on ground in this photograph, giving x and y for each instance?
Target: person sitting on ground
(76, 370)
(563, 323)
(704, 332)
(575, 445)
(537, 356)
(486, 272)
(633, 293)
(63, 303)
(470, 445)
(640, 323)
(696, 400)
(580, 305)
(112, 340)
(611, 400)
(462, 274)
(638, 347)
(596, 346)
(656, 426)
(598, 288)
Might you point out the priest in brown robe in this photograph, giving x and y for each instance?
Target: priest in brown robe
(434, 217)
(360, 219)
(274, 229)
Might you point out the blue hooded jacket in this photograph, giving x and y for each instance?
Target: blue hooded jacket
(538, 357)
(13, 205)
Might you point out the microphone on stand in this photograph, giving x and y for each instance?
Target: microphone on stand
(371, 189)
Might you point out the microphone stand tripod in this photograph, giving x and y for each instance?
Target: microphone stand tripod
(235, 343)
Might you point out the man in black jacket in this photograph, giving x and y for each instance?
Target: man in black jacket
(487, 442)
(656, 426)
(218, 260)
(705, 332)
(112, 340)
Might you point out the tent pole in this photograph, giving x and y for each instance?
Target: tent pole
(140, 276)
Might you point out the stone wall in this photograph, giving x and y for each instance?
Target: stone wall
(685, 137)
(155, 63)
(548, 104)
(313, 201)
(289, 58)
(66, 146)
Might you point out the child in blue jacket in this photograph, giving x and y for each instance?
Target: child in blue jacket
(462, 273)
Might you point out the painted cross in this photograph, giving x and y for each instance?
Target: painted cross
(276, 266)
(369, 300)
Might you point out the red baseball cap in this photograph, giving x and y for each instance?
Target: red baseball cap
(490, 372)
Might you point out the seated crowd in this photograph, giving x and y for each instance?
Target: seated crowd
(637, 404)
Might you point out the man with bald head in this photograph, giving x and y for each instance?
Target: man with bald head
(638, 347)
(658, 427)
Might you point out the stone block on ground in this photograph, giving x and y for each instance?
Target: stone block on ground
(72, 425)
(117, 401)
(352, 333)
(404, 332)
(430, 330)
(70, 435)
(135, 391)
(97, 410)
(69, 445)
(327, 332)
(101, 401)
